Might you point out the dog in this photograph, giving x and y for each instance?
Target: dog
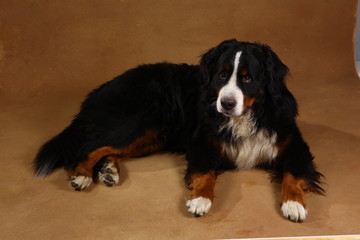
(232, 111)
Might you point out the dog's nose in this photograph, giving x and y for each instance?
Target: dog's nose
(228, 103)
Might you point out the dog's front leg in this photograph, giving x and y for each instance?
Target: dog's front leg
(202, 192)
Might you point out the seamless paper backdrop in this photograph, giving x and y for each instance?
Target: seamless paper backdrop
(53, 52)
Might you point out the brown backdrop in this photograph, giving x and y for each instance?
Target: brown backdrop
(53, 52)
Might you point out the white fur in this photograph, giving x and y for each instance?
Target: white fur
(82, 182)
(252, 150)
(199, 206)
(294, 211)
(240, 127)
(114, 175)
(231, 90)
(45, 169)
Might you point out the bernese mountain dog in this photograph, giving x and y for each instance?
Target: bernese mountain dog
(232, 111)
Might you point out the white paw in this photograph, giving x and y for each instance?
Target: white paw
(294, 211)
(199, 206)
(108, 174)
(79, 183)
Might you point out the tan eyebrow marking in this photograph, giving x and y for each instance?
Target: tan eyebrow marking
(244, 72)
(227, 67)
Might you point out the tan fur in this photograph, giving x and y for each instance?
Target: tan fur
(293, 189)
(149, 143)
(202, 185)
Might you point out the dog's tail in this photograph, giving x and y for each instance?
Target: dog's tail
(60, 151)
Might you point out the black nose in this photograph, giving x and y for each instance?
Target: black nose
(228, 103)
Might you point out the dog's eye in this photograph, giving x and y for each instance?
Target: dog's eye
(246, 79)
(223, 75)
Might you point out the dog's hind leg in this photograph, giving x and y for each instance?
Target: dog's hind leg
(82, 176)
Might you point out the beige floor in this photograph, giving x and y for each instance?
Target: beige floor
(53, 52)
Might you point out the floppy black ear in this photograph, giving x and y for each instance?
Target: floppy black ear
(208, 60)
(276, 72)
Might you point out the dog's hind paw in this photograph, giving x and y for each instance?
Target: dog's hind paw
(108, 174)
(79, 183)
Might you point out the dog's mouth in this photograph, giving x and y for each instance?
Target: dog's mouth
(232, 113)
(228, 113)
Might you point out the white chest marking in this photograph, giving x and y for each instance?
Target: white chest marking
(240, 127)
(252, 150)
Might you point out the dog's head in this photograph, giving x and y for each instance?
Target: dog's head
(242, 74)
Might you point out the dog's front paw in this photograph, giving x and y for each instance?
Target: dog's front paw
(294, 211)
(108, 174)
(79, 183)
(199, 206)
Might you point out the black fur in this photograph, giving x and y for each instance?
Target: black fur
(179, 101)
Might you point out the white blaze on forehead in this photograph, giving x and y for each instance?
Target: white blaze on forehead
(236, 64)
(231, 90)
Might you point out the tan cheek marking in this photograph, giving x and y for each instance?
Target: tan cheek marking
(293, 189)
(248, 102)
(202, 185)
(146, 144)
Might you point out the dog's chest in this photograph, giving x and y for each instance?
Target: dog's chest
(253, 150)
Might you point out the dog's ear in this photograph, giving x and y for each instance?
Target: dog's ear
(276, 72)
(209, 59)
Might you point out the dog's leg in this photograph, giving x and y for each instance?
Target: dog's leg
(297, 171)
(81, 177)
(202, 195)
(293, 204)
(203, 156)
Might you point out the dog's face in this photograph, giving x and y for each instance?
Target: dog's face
(242, 74)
